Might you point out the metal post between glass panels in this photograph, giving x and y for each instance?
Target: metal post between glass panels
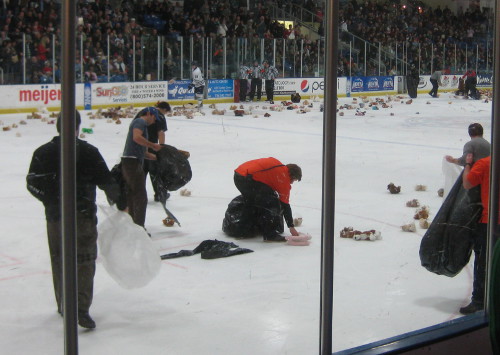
(68, 178)
(108, 59)
(182, 57)
(283, 59)
(133, 56)
(224, 41)
(24, 59)
(495, 161)
(158, 57)
(329, 170)
(81, 57)
(301, 56)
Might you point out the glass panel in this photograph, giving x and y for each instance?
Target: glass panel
(149, 57)
(381, 288)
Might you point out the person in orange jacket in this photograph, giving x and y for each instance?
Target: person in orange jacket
(265, 184)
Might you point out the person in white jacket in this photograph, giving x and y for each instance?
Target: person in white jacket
(198, 83)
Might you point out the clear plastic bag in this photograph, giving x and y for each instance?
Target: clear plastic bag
(126, 250)
(451, 172)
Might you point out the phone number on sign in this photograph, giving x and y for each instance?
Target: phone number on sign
(147, 96)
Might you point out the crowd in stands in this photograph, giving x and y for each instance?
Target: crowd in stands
(422, 29)
(107, 30)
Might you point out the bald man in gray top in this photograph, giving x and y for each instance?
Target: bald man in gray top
(478, 146)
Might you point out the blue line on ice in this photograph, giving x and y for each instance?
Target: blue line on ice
(320, 135)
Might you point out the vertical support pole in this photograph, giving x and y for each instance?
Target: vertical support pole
(109, 58)
(328, 200)
(495, 162)
(158, 58)
(224, 52)
(284, 52)
(133, 58)
(68, 178)
(81, 58)
(182, 58)
(23, 58)
(301, 56)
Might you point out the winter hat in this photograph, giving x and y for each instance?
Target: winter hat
(78, 120)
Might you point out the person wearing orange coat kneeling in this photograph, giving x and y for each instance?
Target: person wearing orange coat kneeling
(265, 186)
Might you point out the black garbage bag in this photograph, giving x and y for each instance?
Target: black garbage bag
(447, 245)
(116, 171)
(240, 219)
(210, 249)
(174, 170)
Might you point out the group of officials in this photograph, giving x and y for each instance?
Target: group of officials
(256, 73)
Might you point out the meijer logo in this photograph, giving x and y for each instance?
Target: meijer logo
(44, 95)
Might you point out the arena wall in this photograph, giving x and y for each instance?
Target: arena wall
(29, 98)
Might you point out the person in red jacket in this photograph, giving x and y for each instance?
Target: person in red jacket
(478, 174)
(265, 184)
(470, 77)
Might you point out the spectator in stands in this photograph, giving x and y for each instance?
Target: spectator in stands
(222, 28)
(33, 70)
(118, 70)
(91, 75)
(42, 49)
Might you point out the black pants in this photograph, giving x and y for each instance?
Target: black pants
(256, 85)
(435, 86)
(269, 214)
(86, 243)
(151, 167)
(269, 84)
(137, 198)
(470, 86)
(480, 242)
(243, 89)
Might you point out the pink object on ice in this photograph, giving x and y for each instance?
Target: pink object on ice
(298, 240)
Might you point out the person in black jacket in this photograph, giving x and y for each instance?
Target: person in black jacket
(43, 182)
(156, 134)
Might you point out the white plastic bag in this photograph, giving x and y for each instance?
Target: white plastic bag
(126, 250)
(451, 173)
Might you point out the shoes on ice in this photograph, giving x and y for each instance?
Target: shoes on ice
(274, 238)
(472, 307)
(85, 321)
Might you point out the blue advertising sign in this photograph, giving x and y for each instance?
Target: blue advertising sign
(484, 80)
(222, 88)
(372, 83)
(179, 90)
(357, 84)
(87, 97)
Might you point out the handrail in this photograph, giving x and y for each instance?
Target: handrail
(281, 12)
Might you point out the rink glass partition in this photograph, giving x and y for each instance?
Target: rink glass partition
(163, 58)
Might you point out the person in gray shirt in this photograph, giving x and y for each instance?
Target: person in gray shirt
(478, 146)
(134, 153)
(436, 82)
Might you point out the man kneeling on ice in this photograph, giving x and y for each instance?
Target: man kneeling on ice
(265, 186)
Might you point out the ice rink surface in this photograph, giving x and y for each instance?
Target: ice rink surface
(268, 301)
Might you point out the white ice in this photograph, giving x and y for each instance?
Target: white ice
(266, 302)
